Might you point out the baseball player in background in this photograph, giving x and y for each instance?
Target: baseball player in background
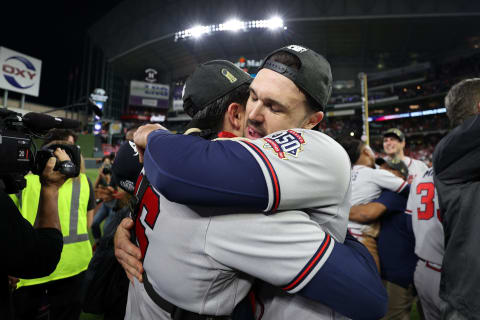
(367, 184)
(427, 226)
(241, 242)
(396, 242)
(394, 145)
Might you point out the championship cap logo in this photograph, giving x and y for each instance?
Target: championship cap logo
(229, 76)
(296, 48)
(134, 147)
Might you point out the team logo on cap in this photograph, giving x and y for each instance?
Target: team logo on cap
(229, 76)
(285, 144)
(296, 48)
(134, 147)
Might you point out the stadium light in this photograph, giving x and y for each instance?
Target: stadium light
(274, 23)
(233, 25)
(197, 31)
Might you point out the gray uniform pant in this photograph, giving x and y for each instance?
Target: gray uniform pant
(427, 283)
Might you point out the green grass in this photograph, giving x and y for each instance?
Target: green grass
(92, 174)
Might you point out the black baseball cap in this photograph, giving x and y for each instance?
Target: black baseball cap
(314, 76)
(211, 81)
(126, 168)
(395, 133)
(397, 164)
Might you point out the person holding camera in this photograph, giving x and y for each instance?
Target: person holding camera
(104, 191)
(59, 295)
(34, 251)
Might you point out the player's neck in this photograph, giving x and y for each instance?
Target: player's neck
(400, 156)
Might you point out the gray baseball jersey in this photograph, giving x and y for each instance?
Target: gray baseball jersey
(274, 304)
(367, 184)
(426, 220)
(416, 168)
(200, 263)
(423, 206)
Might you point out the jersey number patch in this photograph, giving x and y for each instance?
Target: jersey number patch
(146, 218)
(427, 191)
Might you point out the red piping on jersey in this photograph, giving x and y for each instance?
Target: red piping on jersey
(251, 298)
(272, 171)
(226, 134)
(310, 266)
(137, 184)
(408, 211)
(401, 187)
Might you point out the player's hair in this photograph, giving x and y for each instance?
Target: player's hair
(210, 118)
(293, 62)
(59, 134)
(353, 147)
(462, 101)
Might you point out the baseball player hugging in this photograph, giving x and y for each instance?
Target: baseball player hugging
(367, 184)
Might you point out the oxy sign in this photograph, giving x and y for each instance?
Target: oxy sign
(19, 72)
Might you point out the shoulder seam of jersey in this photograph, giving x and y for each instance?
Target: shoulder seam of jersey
(307, 269)
(271, 171)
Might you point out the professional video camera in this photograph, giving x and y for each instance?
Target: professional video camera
(18, 152)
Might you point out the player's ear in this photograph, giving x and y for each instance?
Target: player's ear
(313, 119)
(235, 115)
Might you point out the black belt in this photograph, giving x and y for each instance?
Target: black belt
(176, 313)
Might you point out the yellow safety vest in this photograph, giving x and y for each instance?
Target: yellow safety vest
(72, 210)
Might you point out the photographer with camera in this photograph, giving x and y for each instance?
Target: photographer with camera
(34, 251)
(59, 295)
(105, 194)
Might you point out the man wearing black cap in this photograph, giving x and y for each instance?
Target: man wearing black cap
(394, 145)
(285, 145)
(106, 286)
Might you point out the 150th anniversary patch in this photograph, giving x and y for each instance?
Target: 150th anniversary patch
(285, 144)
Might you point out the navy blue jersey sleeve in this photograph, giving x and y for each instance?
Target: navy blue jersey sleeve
(349, 283)
(393, 201)
(194, 171)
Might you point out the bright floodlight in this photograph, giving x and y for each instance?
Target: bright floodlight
(233, 25)
(274, 23)
(197, 31)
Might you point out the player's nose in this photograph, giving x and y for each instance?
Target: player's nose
(256, 112)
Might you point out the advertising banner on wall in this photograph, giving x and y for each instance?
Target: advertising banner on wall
(19, 72)
(147, 94)
(177, 97)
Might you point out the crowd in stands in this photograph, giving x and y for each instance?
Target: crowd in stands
(423, 133)
(438, 79)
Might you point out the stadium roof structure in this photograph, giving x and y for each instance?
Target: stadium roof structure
(354, 35)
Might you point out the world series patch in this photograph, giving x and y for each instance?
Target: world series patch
(285, 144)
